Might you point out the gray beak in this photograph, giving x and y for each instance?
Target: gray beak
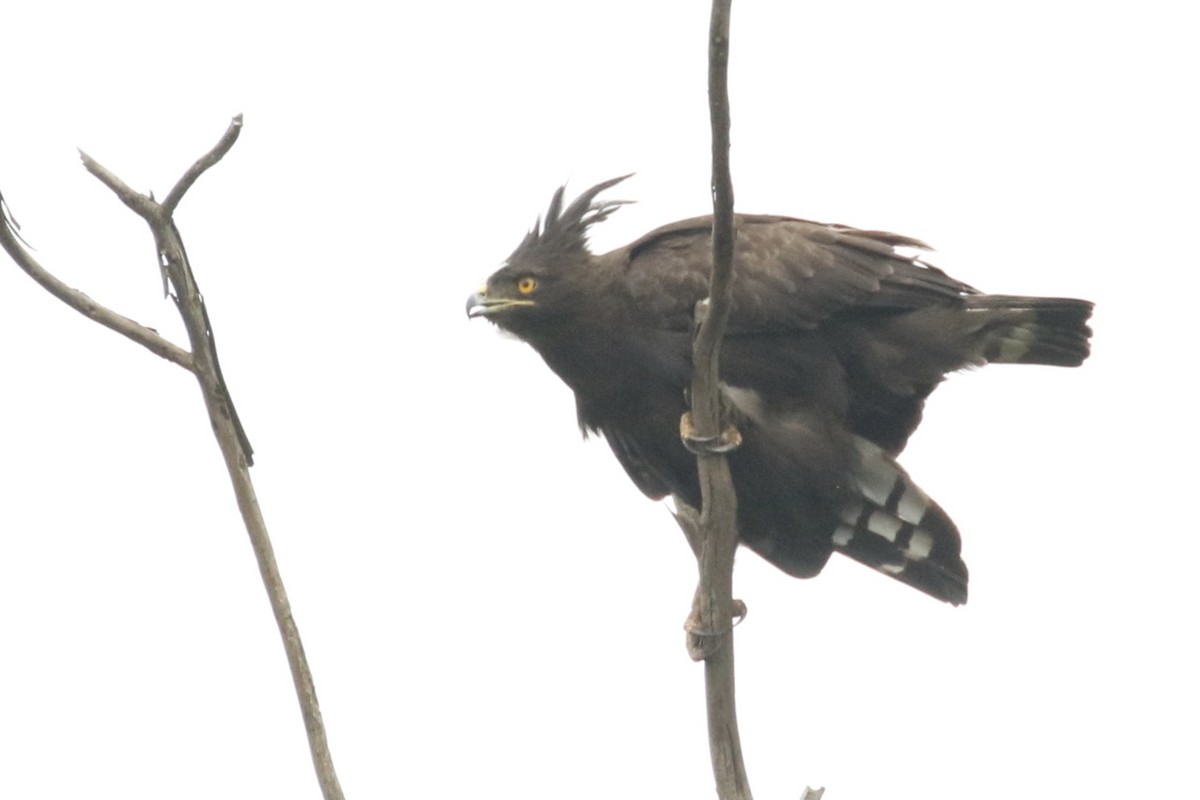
(475, 305)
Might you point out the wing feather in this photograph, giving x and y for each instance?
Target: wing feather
(789, 274)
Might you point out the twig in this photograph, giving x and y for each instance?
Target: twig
(710, 627)
(203, 363)
(202, 164)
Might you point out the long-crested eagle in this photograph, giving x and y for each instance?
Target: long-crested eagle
(835, 339)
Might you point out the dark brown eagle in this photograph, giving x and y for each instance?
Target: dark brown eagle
(835, 339)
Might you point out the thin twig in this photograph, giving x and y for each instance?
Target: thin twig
(202, 164)
(146, 337)
(138, 203)
(711, 622)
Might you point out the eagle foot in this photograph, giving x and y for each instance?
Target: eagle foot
(725, 442)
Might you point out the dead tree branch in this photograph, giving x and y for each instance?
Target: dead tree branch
(201, 362)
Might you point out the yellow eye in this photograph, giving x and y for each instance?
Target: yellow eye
(526, 285)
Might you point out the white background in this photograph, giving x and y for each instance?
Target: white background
(490, 608)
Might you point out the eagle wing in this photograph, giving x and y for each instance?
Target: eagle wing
(819, 318)
(789, 274)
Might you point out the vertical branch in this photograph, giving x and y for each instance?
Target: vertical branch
(710, 627)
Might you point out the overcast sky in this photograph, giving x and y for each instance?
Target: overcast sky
(491, 609)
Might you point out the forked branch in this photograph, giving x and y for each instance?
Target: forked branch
(203, 363)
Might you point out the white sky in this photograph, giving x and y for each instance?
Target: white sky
(490, 608)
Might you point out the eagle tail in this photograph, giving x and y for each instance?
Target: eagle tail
(805, 491)
(892, 526)
(1033, 330)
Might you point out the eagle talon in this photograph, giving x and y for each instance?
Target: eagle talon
(725, 442)
(701, 641)
(694, 627)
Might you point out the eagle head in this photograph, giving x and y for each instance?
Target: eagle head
(540, 281)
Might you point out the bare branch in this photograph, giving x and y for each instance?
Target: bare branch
(710, 626)
(146, 337)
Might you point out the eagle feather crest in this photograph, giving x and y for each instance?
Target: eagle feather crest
(564, 232)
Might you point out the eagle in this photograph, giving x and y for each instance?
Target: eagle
(835, 338)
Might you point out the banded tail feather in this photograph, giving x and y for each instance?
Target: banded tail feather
(894, 527)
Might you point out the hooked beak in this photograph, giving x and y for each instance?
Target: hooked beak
(476, 305)
(480, 305)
